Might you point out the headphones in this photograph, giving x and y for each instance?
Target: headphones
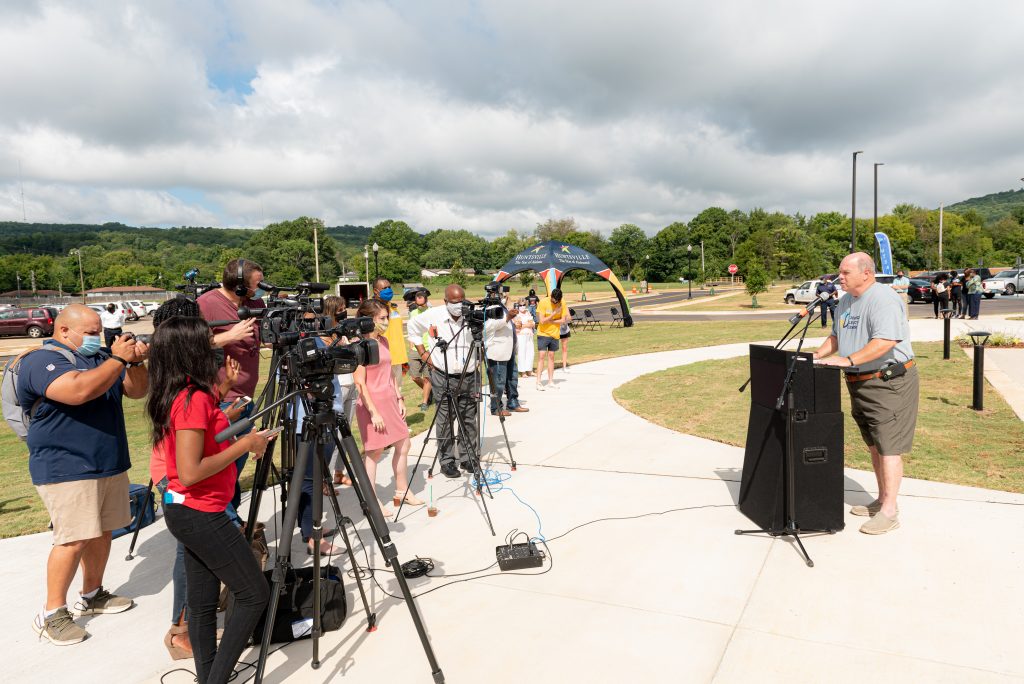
(241, 289)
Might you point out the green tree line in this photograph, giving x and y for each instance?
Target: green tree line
(784, 246)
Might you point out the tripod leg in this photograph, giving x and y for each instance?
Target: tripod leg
(379, 528)
(419, 459)
(795, 535)
(318, 535)
(340, 520)
(138, 523)
(282, 561)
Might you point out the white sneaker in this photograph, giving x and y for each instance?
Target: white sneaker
(540, 387)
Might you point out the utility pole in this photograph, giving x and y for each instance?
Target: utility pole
(32, 275)
(316, 251)
(940, 237)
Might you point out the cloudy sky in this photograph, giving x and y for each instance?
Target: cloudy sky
(493, 115)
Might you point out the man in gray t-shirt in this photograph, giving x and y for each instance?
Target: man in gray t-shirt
(871, 337)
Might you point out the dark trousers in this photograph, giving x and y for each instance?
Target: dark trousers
(466, 403)
(306, 495)
(215, 552)
(827, 307)
(955, 302)
(506, 382)
(974, 304)
(109, 334)
(940, 301)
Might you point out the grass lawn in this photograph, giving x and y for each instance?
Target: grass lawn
(21, 511)
(953, 443)
(740, 301)
(572, 292)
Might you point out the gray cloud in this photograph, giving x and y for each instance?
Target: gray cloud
(492, 115)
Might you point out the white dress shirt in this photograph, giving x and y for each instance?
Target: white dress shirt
(499, 335)
(112, 320)
(439, 324)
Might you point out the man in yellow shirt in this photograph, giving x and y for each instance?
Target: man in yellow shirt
(551, 314)
(395, 334)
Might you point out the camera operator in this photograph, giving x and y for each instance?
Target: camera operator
(500, 348)
(345, 390)
(446, 324)
(240, 287)
(78, 459)
(418, 369)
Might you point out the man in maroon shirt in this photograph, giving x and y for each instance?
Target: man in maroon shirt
(241, 341)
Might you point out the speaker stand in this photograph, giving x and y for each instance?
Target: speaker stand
(792, 528)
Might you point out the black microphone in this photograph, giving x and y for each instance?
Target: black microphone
(233, 429)
(818, 299)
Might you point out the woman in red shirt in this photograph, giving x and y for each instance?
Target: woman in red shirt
(183, 406)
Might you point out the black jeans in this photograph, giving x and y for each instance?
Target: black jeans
(215, 552)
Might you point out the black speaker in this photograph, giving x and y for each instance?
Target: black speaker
(818, 469)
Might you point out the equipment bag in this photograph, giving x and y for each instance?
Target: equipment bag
(294, 618)
(17, 417)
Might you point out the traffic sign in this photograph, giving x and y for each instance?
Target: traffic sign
(733, 269)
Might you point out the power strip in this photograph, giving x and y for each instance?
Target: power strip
(518, 556)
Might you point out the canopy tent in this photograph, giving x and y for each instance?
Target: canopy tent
(553, 259)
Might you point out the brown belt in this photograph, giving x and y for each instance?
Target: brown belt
(876, 374)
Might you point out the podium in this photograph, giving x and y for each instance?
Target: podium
(793, 460)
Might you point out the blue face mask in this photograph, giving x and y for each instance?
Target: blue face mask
(90, 345)
(258, 294)
(386, 294)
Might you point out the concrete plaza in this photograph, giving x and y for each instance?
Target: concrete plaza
(664, 593)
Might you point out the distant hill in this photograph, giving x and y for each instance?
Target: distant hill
(992, 207)
(350, 236)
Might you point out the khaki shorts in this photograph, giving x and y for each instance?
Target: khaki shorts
(419, 369)
(886, 412)
(85, 509)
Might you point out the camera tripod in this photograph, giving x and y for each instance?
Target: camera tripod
(321, 425)
(449, 399)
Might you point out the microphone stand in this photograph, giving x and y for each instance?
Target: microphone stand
(795, 321)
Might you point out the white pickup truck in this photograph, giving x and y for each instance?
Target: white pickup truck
(1008, 283)
(804, 293)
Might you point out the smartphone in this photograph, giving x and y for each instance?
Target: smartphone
(240, 402)
(274, 432)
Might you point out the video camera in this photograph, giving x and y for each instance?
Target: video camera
(488, 308)
(191, 288)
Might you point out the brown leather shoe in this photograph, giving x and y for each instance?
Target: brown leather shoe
(520, 409)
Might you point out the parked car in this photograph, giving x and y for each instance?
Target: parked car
(151, 306)
(920, 290)
(34, 322)
(1008, 283)
(138, 307)
(804, 293)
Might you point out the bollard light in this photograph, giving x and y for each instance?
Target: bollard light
(946, 315)
(980, 337)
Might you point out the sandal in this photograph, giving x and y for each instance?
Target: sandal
(340, 479)
(183, 648)
(410, 499)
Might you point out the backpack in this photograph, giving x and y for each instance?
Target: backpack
(18, 418)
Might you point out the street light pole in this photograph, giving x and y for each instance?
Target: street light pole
(366, 260)
(853, 205)
(689, 272)
(376, 269)
(877, 164)
(81, 276)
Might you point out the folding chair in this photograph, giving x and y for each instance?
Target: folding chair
(575, 320)
(616, 319)
(590, 321)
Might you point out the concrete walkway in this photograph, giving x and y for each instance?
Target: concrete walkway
(664, 593)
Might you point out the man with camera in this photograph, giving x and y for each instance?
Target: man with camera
(871, 338)
(451, 342)
(500, 348)
(78, 459)
(418, 369)
(240, 340)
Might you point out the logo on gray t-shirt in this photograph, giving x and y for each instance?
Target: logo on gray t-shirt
(878, 313)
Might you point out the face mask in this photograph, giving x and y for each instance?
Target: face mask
(218, 356)
(258, 294)
(90, 345)
(386, 294)
(522, 309)
(454, 308)
(381, 328)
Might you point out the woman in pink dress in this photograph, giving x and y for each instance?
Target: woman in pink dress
(380, 409)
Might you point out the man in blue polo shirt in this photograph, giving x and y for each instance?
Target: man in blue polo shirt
(78, 459)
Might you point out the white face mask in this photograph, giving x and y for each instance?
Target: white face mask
(454, 308)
